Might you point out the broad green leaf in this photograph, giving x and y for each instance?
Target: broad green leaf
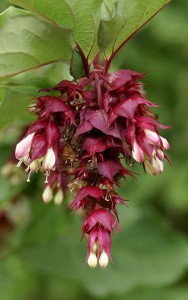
(86, 24)
(57, 11)
(130, 16)
(27, 42)
(82, 15)
(108, 9)
(3, 5)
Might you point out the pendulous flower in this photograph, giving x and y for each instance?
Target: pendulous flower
(85, 139)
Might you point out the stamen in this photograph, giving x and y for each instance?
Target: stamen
(19, 163)
(47, 174)
(28, 178)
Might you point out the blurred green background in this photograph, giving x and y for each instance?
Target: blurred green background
(41, 254)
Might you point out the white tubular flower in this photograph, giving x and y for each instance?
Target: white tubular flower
(24, 146)
(34, 166)
(103, 260)
(154, 168)
(47, 194)
(49, 160)
(58, 199)
(137, 152)
(158, 165)
(165, 143)
(152, 137)
(92, 260)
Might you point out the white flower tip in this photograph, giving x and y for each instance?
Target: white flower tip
(24, 146)
(103, 260)
(154, 168)
(158, 165)
(47, 194)
(137, 152)
(49, 160)
(165, 143)
(152, 136)
(92, 260)
(58, 199)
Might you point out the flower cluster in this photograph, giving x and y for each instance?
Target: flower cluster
(79, 140)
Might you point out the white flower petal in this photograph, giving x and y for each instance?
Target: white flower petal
(137, 152)
(24, 146)
(165, 143)
(152, 137)
(92, 260)
(103, 260)
(49, 160)
(47, 194)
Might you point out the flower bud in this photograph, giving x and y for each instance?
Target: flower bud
(49, 160)
(58, 199)
(47, 194)
(34, 165)
(158, 165)
(137, 152)
(165, 143)
(92, 260)
(160, 154)
(154, 168)
(152, 137)
(148, 167)
(26, 160)
(103, 260)
(24, 146)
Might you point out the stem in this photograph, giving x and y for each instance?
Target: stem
(104, 79)
(98, 87)
(108, 61)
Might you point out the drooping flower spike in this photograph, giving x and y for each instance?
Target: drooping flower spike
(79, 140)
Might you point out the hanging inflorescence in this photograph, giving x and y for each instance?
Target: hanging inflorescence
(79, 140)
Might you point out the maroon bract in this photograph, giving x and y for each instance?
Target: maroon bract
(85, 139)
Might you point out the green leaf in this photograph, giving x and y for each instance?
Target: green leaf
(57, 11)
(108, 9)
(77, 66)
(30, 43)
(85, 15)
(3, 5)
(86, 24)
(130, 16)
